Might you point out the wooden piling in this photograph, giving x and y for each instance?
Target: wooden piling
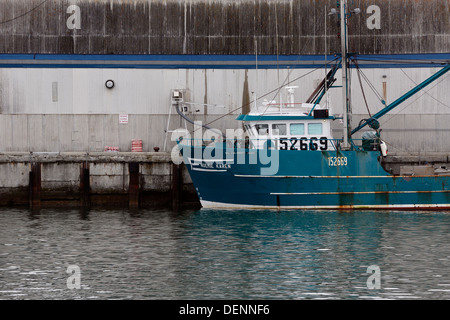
(176, 186)
(35, 186)
(85, 186)
(133, 187)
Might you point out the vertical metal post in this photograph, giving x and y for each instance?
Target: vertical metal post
(343, 9)
(167, 128)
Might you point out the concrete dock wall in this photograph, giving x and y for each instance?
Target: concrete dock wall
(112, 180)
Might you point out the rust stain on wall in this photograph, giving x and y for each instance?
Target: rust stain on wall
(220, 27)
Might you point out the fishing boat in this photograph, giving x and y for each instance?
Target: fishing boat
(289, 159)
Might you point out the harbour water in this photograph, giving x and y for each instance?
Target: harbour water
(207, 254)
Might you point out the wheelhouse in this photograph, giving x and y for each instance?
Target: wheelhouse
(289, 132)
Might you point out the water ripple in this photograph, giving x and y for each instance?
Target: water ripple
(212, 254)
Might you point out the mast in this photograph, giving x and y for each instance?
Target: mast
(345, 100)
(326, 84)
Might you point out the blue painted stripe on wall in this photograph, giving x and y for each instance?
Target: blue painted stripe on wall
(213, 61)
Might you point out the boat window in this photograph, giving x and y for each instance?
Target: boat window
(297, 128)
(314, 128)
(262, 129)
(279, 129)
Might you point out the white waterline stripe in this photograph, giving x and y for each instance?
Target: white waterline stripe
(219, 205)
(339, 177)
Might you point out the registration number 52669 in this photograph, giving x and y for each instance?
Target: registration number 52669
(337, 161)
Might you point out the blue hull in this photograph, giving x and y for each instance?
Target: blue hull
(308, 179)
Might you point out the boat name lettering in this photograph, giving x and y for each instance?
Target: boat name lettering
(303, 143)
(337, 161)
(217, 165)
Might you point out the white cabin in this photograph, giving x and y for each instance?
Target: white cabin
(289, 127)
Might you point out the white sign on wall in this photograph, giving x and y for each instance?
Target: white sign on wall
(123, 118)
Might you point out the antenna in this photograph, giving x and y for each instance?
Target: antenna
(256, 71)
(326, 82)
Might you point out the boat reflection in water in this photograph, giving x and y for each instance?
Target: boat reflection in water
(224, 254)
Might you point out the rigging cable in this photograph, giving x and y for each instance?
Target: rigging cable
(289, 71)
(410, 62)
(442, 79)
(305, 45)
(286, 82)
(277, 90)
(445, 105)
(424, 92)
(362, 88)
(24, 14)
(379, 96)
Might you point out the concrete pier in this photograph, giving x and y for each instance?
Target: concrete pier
(107, 179)
(123, 179)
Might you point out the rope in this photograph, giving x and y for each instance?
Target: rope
(24, 14)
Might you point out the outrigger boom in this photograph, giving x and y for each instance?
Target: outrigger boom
(402, 98)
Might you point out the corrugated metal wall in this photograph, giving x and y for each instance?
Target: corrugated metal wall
(220, 26)
(136, 91)
(83, 115)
